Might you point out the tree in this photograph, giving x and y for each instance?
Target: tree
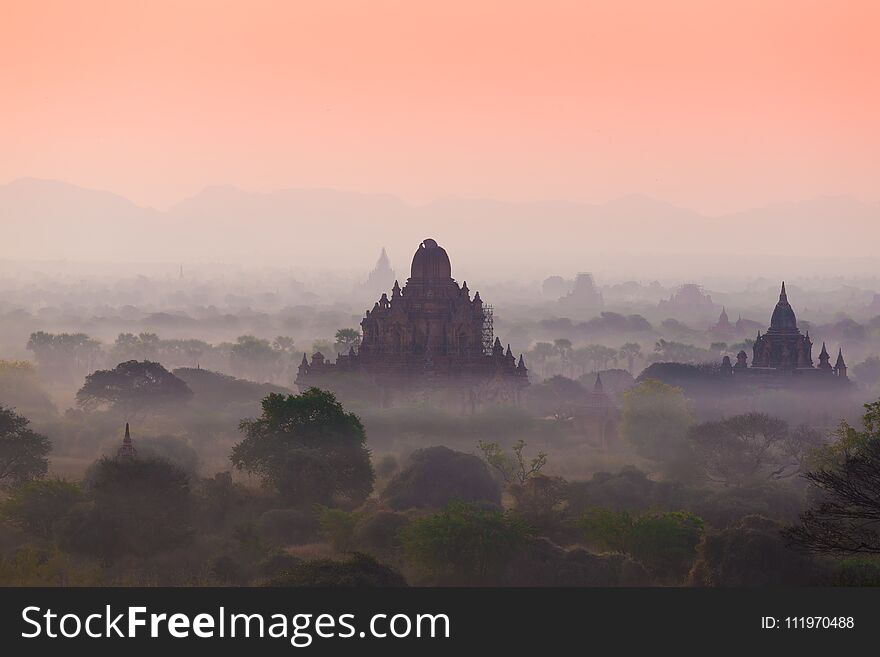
(868, 371)
(23, 452)
(254, 358)
(308, 448)
(135, 507)
(678, 352)
(562, 346)
(133, 386)
(21, 388)
(65, 355)
(346, 339)
(656, 419)
(846, 518)
(753, 446)
(284, 343)
(630, 351)
(128, 346)
(514, 469)
(464, 541)
(36, 506)
(558, 397)
(543, 351)
(599, 356)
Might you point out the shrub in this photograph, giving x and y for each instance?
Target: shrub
(665, 543)
(380, 534)
(337, 526)
(287, 526)
(751, 553)
(36, 506)
(359, 570)
(856, 571)
(137, 507)
(436, 475)
(464, 541)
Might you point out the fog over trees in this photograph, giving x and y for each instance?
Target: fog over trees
(633, 457)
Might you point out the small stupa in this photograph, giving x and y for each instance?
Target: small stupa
(126, 450)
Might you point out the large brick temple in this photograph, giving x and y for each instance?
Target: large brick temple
(783, 351)
(429, 339)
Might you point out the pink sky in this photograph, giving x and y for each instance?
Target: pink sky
(712, 105)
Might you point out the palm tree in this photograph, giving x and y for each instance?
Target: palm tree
(630, 351)
(562, 347)
(543, 351)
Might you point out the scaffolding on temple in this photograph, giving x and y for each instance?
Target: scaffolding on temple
(488, 335)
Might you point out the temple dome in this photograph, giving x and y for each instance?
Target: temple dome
(783, 318)
(430, 262)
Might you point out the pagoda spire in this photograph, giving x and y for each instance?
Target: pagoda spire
(782, 295)
(126, 450)
(840, 366)
(598, 387)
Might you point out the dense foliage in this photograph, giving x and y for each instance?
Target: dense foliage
(308, 448)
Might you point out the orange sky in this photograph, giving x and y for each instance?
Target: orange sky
(709, 104)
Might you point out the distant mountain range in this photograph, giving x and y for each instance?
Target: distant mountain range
(45, 219)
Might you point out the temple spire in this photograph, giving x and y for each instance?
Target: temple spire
(598, 387)
(840, 366)
(126, 450)
(782, 295)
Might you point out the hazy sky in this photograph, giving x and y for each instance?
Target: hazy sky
(710, 104)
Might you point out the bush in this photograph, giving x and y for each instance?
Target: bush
(542, 563)
(137, 507)
(857, 571)
(436, 475)
(36, 506)
(751, 553)
(630, 490)
(464, 542)
(539, 500)
(380, 534)
(337, 526)
(665, 543)
(359, 570)
(387, 466)
(287, 526)
(726, 507)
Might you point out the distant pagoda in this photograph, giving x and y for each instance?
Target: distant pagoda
(126, 449)
(784, 350)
